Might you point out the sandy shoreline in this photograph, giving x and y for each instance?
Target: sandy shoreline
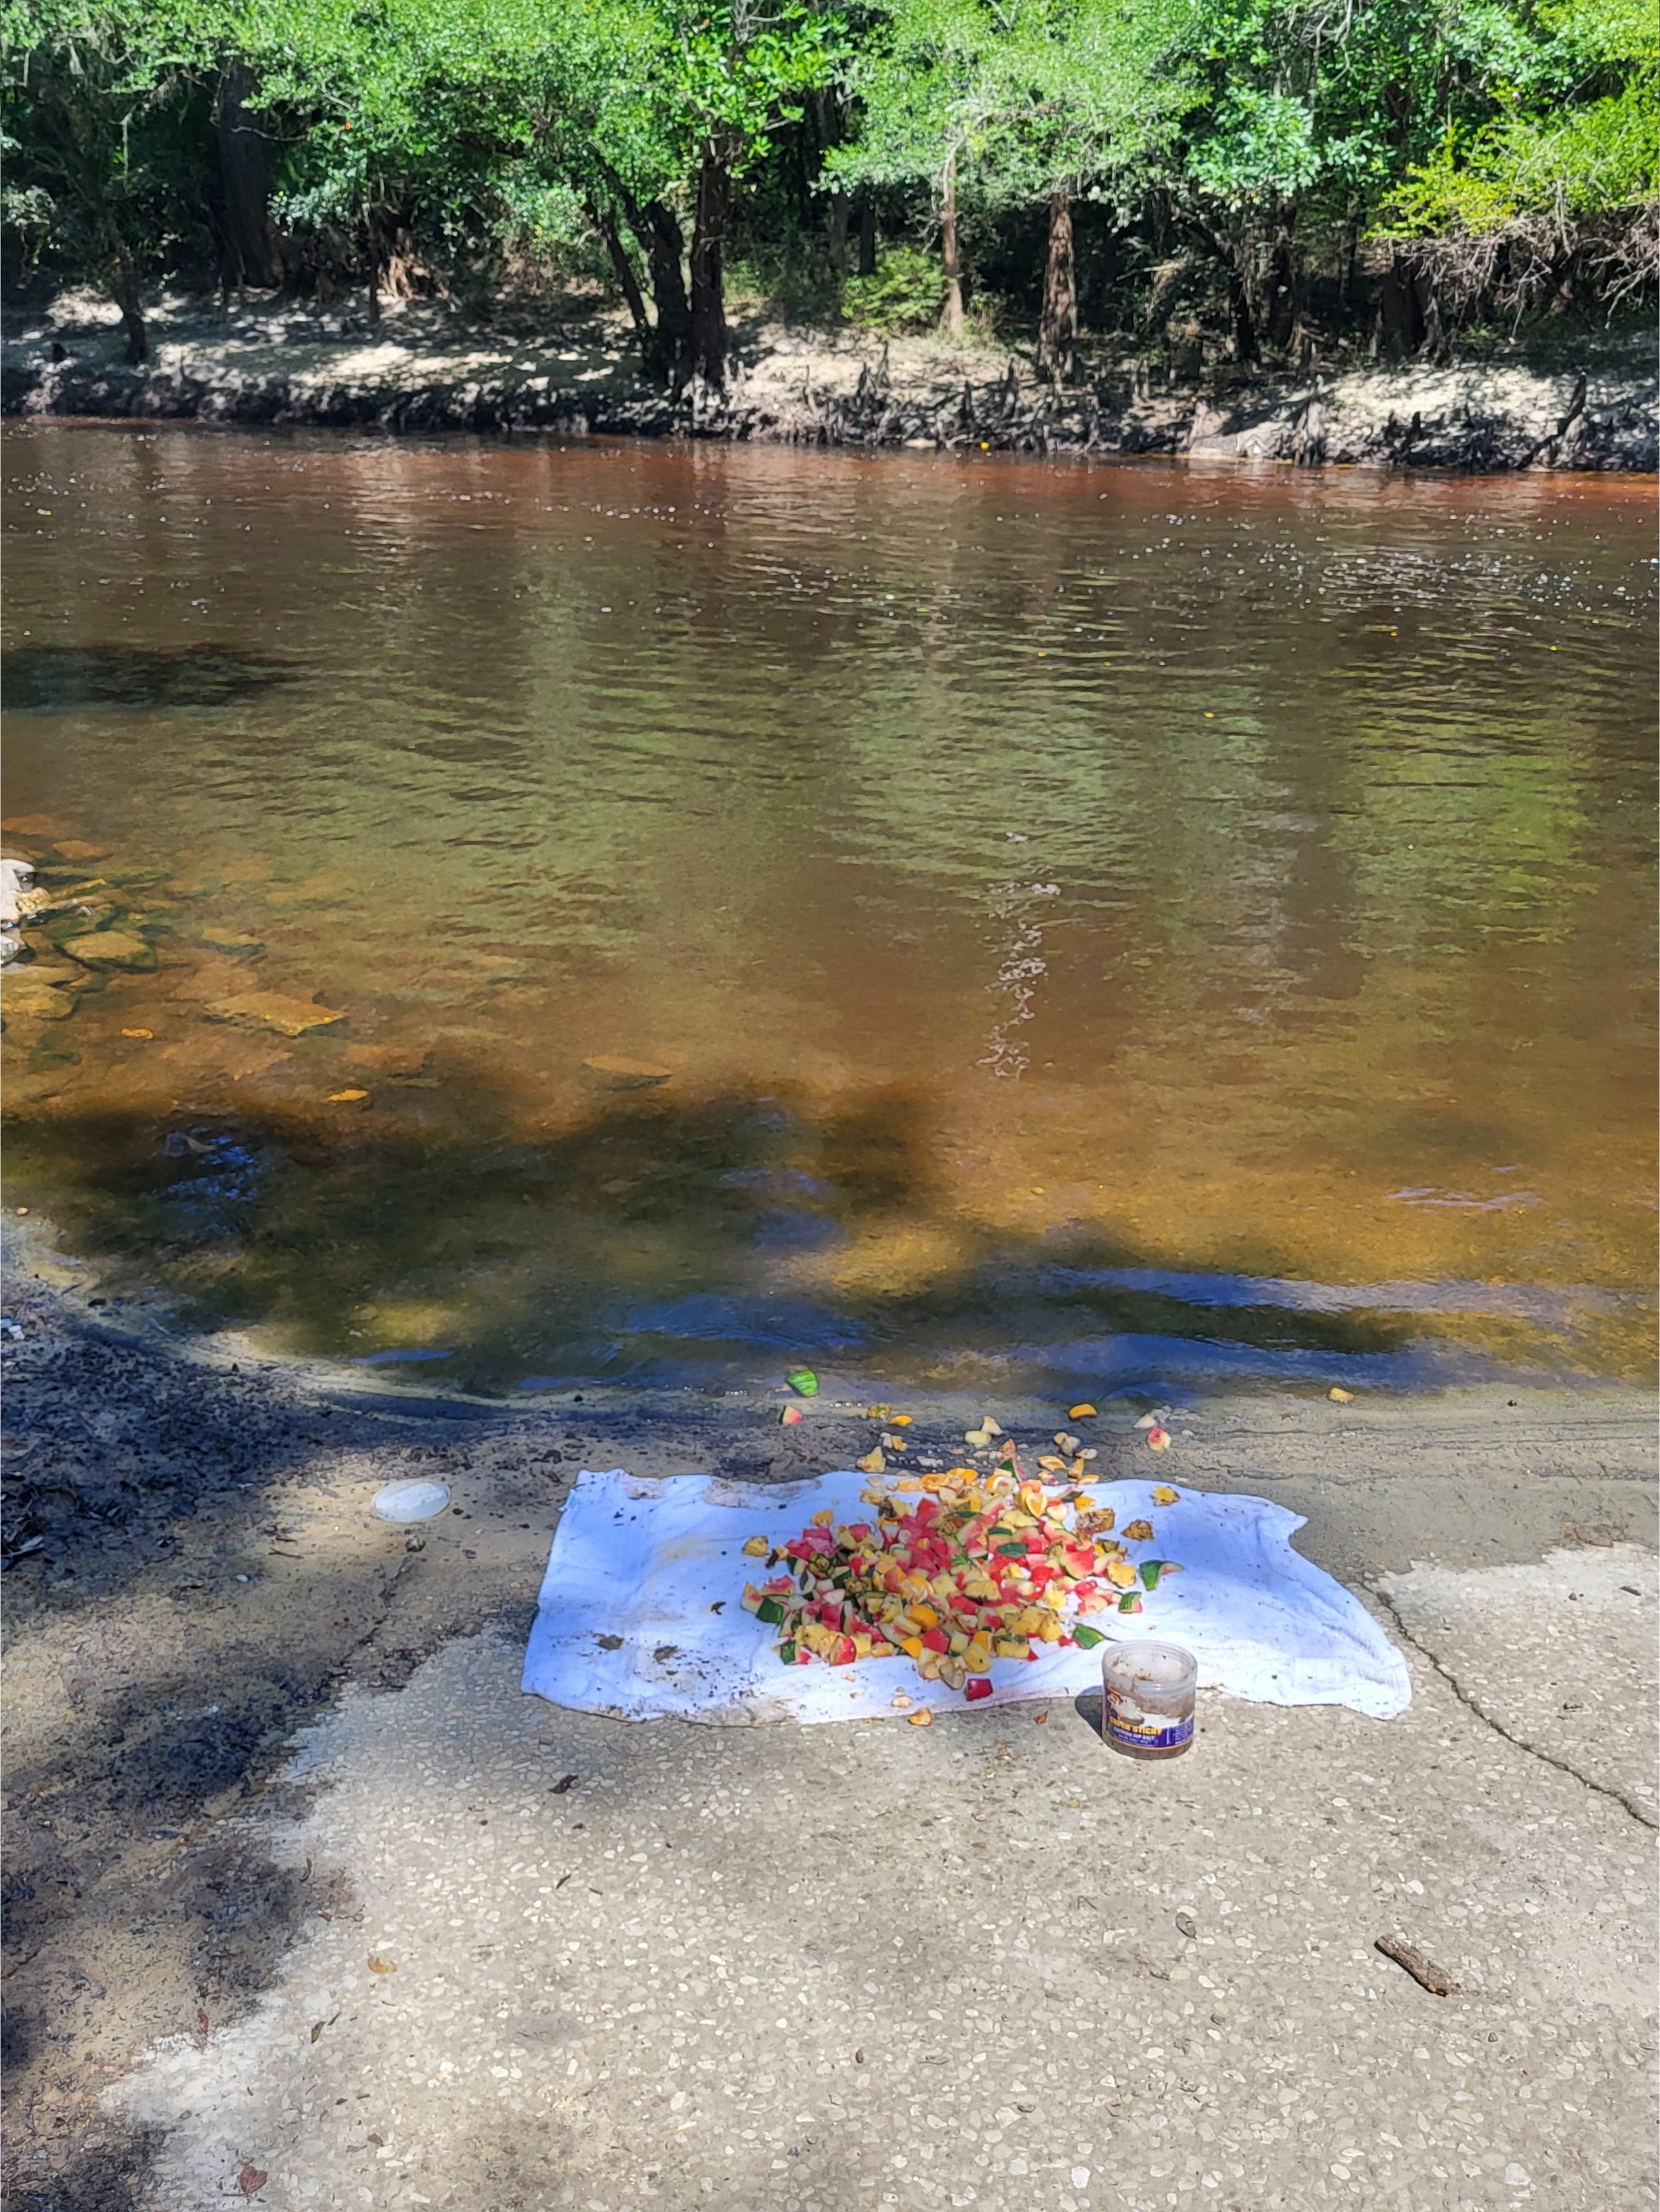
(193, 1574)
(1590, 403)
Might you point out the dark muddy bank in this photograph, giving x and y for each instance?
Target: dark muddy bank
(421, 368)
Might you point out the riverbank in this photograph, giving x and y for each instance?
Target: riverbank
(196, 1588)
(424, 367)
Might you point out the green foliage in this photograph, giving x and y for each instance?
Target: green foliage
(906, 293)
(1577, 134)
(1027, 97)
(1247, 135)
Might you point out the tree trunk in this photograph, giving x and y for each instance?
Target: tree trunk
(1245, 347)
(838, 233)
(1436, 343)
(668, 358)
(868, 238)
(630, 286)
(1398, 299)
(709, 307)
(1282, 288)
(951, 315)
(246, 159)
(375, 278)
(124, 289)
(1057, 332)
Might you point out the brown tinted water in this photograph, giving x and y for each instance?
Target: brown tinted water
(1106, 927)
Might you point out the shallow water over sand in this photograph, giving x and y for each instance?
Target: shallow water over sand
(1037, 925)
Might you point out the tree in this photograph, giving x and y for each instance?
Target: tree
(1028, 104)
(108, 143)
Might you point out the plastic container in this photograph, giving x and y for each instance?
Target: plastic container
(1148, 1691)
(411, 1501)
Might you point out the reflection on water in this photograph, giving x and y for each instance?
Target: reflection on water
(976, 921)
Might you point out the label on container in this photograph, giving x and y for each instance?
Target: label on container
(1145, 1734)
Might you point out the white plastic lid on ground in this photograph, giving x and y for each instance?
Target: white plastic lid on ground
(411, 1501)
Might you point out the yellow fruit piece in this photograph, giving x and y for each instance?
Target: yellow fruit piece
(978, 1437)
(959, 1643)
(1139, 1532)
(928, 1666)
(924, 1719)
(925, 1614)
(757, 1548)
(1055, 1598)
(861, 1647)
(977, 1657)
(872, 1463)
(902, 1420)
(1010, 1647)
(953, 1673)
(1028, 1620)
(1119, 1574)
(1164, 1495)
(1157, 1440)
(1079, 1413)
(822, 1520)
(899, 1701)
(139, 1033)
(346, 1097)
(1338, 1397)
(911, 1646)
(1050, 1629)
(1052, 1465)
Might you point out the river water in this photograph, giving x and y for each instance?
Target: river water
(977, 921)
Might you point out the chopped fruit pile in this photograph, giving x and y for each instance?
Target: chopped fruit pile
(968, 1568)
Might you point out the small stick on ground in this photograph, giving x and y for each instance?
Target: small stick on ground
(1434, 1978)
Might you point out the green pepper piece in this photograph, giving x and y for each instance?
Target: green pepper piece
(1011, 1551)
(1088, 1638)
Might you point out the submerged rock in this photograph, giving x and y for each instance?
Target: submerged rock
(389, 1059)
(28, 995)
(112, 948)
(273, 1009)
(235, 942)
(608, 1073)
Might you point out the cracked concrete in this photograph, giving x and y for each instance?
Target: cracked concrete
(1574, 1681)
(870, 1965)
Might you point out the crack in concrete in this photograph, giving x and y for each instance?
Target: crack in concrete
(1548, 1758)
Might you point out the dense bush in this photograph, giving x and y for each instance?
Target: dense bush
(1251, 176)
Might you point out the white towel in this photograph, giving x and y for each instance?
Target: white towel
(641, 1613)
